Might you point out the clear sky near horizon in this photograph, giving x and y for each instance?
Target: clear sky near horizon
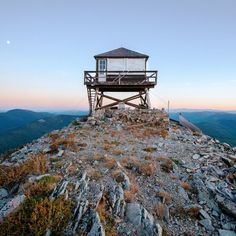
(46, 45)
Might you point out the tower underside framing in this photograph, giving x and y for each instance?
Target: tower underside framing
(137, 82)
(96, 98)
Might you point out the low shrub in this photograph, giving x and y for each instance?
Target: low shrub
(35, 216)
(35, 165)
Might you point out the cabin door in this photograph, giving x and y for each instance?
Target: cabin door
(102, 68)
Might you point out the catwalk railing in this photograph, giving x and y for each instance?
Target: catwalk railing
(94, 78)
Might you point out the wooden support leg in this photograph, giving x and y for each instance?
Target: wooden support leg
(95, 100)
(148, 99)
(99, 100)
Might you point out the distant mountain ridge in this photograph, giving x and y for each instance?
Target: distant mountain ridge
(220, 125)
(18, 126)
(19, 117)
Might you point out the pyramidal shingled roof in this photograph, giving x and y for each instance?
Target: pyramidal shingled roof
(121, 53)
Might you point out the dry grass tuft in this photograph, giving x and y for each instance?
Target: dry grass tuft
(72, 169)
(109, 162)
(149, 158)
(134, 188)
(117, 175)
(129, 196)
(147, 168)
(138, 134)
(162, 158)
(193, 212)
(71, 136)
(150, 149)
(82, 145)
(36, 164)
(150, 132)
(113, 133)
(67, 143)
(166, 197)
(161, 183)
(53, 136)
(42, 187)
(115, 142)
(164, 133)
(185, 185)
(97, 157)
(117, 152)
(107, 146)
(95, 174)
(167, 165)
(160, 210)
(174, 177)
(182, 212)
(106, 219)
(140, 166)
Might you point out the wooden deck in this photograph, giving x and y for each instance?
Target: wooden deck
(121, 80)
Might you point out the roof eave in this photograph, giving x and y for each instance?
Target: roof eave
(99, 57)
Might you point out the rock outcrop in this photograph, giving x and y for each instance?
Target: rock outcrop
(129, 172)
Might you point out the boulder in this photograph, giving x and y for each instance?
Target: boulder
(204, 214)
(206, 223)
(183, 194)
(60, 189)
(3, 193)
(91, 224)
(124, 180)
(116, 200)
(37, 178)
(196, 156)
(141, 219)
(60, 153)
(226, 205)
(11, 205)
(226, 233)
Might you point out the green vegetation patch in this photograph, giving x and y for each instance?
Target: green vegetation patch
(37, 213)
(35, 216)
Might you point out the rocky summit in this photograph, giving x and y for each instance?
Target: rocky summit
(120, 172)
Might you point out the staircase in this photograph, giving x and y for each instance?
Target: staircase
(91, 98)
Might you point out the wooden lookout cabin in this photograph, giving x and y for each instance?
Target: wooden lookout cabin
(119, 70)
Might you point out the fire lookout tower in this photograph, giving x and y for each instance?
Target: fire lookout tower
(119, 70)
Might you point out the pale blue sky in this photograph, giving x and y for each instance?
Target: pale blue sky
(192, 43)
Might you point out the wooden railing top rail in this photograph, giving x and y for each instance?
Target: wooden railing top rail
(121, 71)
(119, 77)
